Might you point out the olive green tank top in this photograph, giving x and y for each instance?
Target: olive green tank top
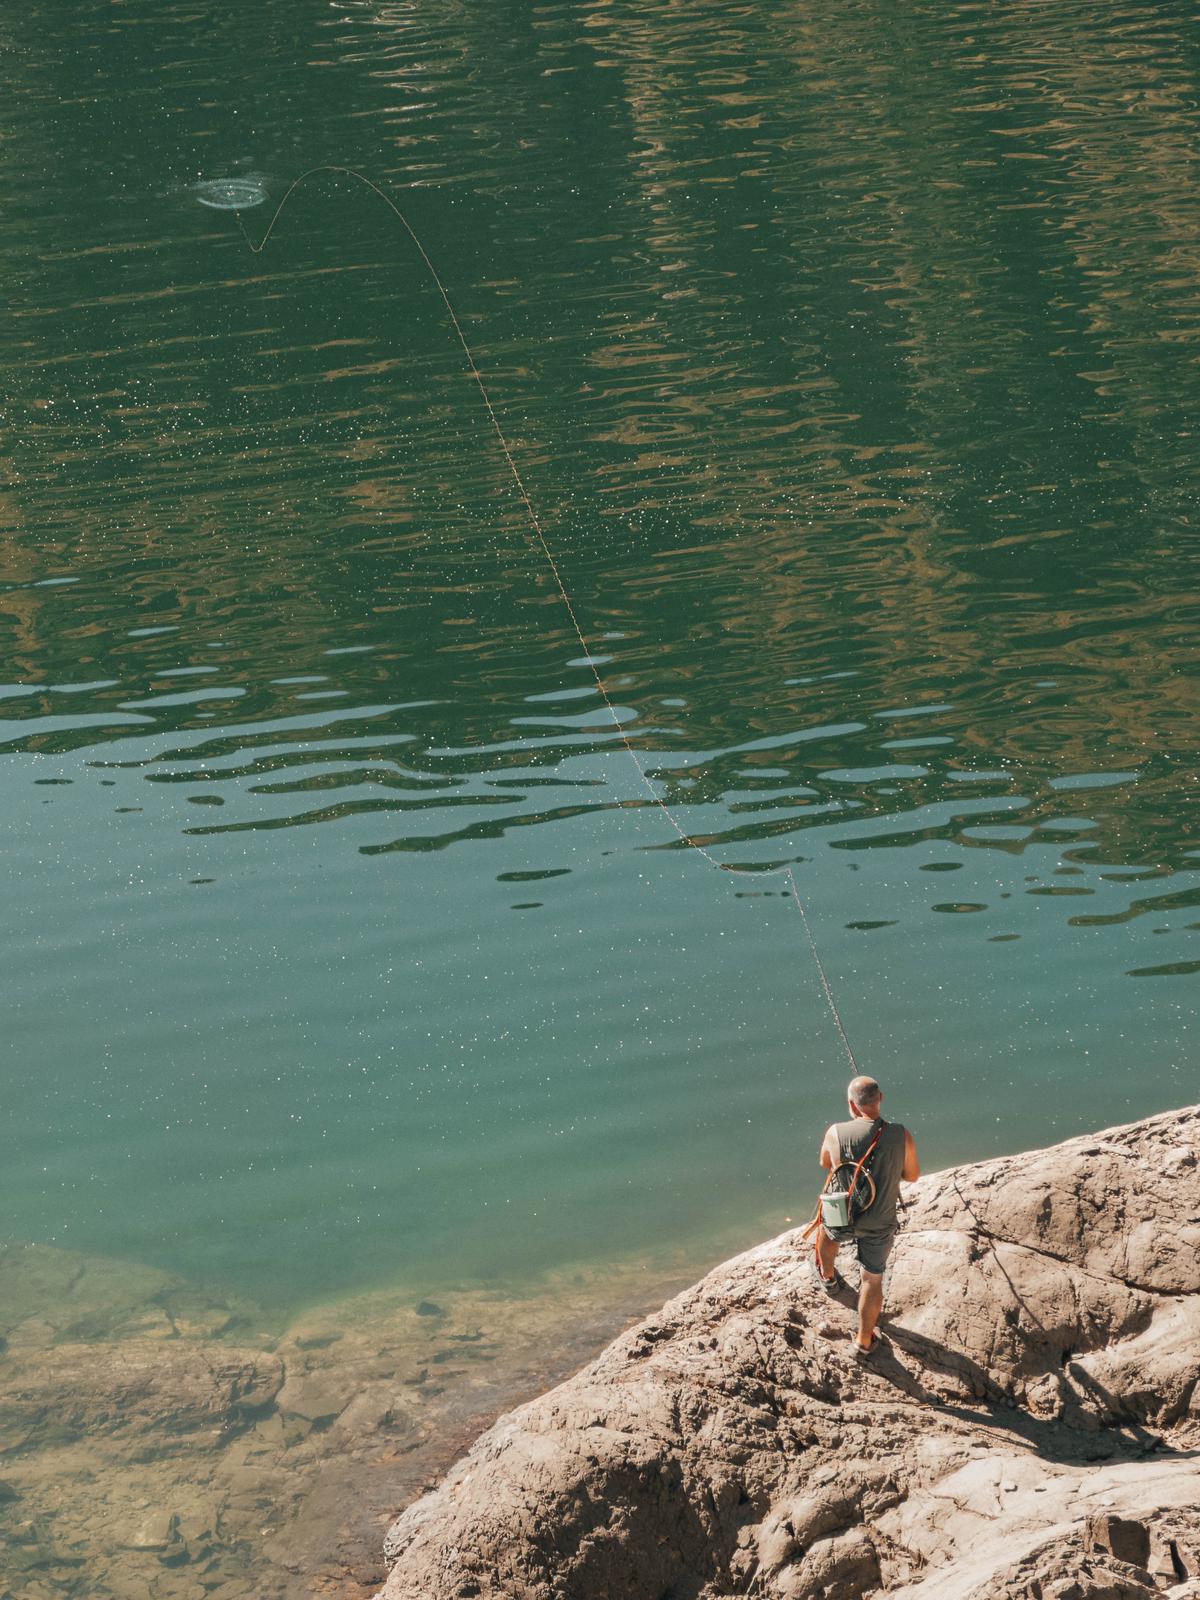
(885, 1166)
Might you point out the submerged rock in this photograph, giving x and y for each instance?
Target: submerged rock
(53, 1296)
(1025, 1433)
(316, 1398)
(162, 1442)
(156, 1532)
(135, 1392)
(48, 1294)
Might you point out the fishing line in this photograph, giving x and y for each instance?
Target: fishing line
(685, 838)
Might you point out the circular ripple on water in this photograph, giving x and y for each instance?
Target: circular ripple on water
(230, 194)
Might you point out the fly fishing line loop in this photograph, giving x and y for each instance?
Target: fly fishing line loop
(685, 838)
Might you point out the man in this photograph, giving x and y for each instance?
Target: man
(893, 1159)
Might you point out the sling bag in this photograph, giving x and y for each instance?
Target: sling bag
(841, 1206)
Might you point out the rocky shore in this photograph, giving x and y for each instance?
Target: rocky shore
(1032, 1429)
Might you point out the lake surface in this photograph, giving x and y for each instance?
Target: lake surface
(851, 363)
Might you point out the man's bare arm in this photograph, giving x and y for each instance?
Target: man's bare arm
(911, 1170)
(826, 1152)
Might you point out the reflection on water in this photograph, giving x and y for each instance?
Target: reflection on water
(852, 368)
(857, 401)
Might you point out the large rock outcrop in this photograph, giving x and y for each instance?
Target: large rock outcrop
(1033, 1429)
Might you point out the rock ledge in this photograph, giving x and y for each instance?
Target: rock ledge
(1031, 1431)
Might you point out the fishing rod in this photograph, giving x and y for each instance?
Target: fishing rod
(786, 872)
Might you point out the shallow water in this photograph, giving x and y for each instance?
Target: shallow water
(852, 368)
(161, 1443)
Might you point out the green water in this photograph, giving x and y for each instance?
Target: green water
(850, 358)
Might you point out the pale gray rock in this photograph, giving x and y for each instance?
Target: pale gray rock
(1042, 1377)
(155, 1532)
(314, 1397)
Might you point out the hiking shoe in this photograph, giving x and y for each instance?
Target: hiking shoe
(866, 1357)
(832, 1285)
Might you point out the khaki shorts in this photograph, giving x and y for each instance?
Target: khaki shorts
(873, 1249)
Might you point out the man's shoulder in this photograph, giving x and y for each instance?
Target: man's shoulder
(895, 1136)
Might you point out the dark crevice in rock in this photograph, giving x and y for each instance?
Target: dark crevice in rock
(1067, 1261)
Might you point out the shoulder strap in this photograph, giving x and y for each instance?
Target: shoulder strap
(866, 1155)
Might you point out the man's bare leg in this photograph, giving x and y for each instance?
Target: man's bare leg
(870, 1304)
(827, 1250)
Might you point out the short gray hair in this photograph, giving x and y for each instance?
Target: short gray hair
(864, 1091)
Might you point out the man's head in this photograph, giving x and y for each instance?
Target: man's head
(864, 1095)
